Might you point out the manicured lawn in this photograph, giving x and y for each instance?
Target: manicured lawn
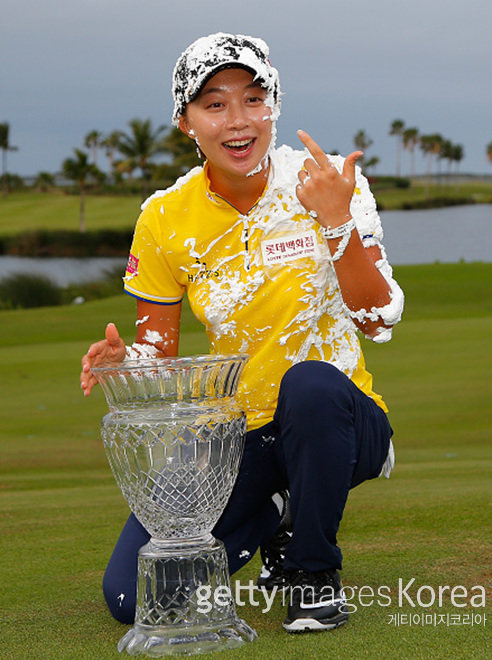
(29, 211)
(394, 198)
(61, 510)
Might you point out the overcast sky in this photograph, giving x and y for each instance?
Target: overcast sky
(71, 67)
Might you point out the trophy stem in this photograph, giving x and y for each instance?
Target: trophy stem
(185, 603)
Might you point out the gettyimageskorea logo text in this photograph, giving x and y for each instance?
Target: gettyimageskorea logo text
(406, 594)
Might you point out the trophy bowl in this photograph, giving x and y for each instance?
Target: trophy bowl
(174, 437)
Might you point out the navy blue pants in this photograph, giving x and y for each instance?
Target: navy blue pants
(327, 437)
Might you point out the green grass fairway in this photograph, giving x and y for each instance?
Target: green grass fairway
(29, 211)
(419, 193)
(61, 510)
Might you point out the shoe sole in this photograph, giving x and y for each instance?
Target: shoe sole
(314, 625)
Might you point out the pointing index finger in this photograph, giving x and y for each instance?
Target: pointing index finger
(314, 149)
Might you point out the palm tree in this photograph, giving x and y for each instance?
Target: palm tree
(363, 142)
(44, 181)
(431, 147)
(110, 143)
(410, 141)
(372, 163)
(80, 170)
(437, 141)
(397, 127)
(446, 152)
(140, 145)
(426, 146)
(93, 141)
(5, 146)
(122, 167)
(458, 154)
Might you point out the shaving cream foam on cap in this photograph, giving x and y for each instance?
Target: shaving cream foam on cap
(208, 55)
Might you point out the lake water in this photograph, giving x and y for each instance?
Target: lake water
(447, 235)
(62, 270)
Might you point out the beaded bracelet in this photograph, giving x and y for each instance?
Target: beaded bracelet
(343, 231)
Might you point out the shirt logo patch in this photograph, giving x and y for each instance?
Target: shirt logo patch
(283, 249)
(132, 266)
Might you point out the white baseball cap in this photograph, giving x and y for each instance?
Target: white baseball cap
(208, 55)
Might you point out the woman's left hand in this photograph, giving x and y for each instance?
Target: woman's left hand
(322, 188)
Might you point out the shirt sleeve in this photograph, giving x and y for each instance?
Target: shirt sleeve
(148, 274)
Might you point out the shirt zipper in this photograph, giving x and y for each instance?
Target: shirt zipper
(245, 231)
(245, 240)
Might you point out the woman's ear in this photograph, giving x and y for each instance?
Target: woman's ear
(185, 128)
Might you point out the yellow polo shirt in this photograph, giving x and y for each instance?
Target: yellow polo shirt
(261, 283)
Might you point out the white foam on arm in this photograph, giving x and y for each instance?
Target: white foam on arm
(364, 211)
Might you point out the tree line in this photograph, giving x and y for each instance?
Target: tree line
(129, 152)
(433, 146)
(137, 148)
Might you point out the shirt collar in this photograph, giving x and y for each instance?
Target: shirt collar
(215, 198)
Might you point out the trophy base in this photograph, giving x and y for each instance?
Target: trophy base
(184, 601)
(159, 641)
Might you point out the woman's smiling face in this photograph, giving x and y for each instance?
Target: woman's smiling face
(230, 123)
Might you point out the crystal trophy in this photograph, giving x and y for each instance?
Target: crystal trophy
(174, 437)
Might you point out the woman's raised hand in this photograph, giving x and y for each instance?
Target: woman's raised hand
(111, 349)
(322, 188)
